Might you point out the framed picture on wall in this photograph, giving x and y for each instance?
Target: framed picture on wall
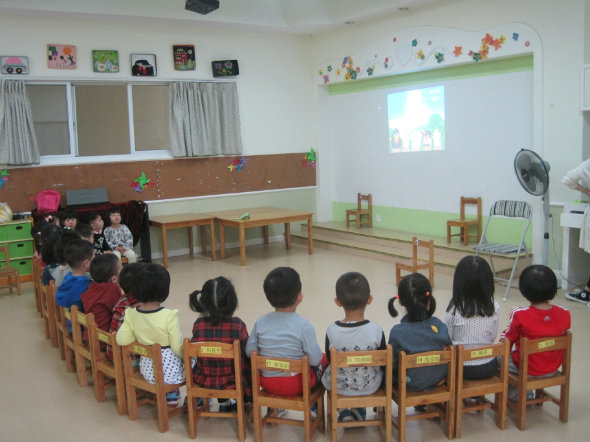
(14, 64)
(61, 56)
(105, 60)
(184, 57)
(143, 65)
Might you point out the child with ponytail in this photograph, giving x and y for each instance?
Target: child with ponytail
(418, 331)
(216, 302)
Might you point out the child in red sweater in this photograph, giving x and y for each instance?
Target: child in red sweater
(538, 285)
(104, 291)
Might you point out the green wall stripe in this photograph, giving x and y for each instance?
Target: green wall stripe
(482, 68)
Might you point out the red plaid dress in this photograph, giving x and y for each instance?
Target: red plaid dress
(126, 301)
(219, 373)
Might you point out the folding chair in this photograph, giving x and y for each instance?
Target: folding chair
(66, 337)
(81, 324)
(303, 402)
(464, 223)
(215, 350)
(505, 209)
(440, 398)
(418, 263)
(364, 208)
(381, 399)
(496, 384)
(523, 382)
(105, 367)
(135, 381)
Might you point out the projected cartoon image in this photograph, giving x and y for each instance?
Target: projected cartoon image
(416, 120)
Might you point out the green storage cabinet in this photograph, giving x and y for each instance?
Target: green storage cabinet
(17, 234)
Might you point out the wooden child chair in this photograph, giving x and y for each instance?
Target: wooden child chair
(8, 272)
(216, 350)
(523, 382)
(364, 208)
(49, 312)
(418, 263)
(464, 223)
(381, 399)
(66, 337)
(496, 384)
(37, 283)
(441, 398)
(81, 324)
(135, 381)
(105, 367)
(303, 402)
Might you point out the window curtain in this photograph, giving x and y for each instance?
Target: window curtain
(204, 119)
(18, 144)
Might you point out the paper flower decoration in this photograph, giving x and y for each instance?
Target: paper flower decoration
(309, 159)
(440, 57)
(237, 164)
(141, 182)
(458, 50)
(3, 177)
(414, 43)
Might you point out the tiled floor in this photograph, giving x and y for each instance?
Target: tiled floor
(42, 402)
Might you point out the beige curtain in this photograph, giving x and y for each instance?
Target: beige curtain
(18, 144)
(204, 119)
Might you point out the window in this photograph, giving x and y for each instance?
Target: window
(108, 122)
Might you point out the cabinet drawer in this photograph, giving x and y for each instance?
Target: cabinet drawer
(20, 249)
(15, 231)
(24, 265)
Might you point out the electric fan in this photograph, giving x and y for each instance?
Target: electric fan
(533, 174)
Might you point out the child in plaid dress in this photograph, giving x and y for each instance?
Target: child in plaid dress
(217, 302)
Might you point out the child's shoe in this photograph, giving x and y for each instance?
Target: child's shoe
(345, 415)
(578, 295)
(228, 406)
(314, 411)
(172, 398)
(359, 414)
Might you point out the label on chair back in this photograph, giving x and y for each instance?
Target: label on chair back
(271, 363)
(481, 353)
(102, 337)
(545, 344)
(355, 360)
(210, 350)
(427, 359)
(139, 350)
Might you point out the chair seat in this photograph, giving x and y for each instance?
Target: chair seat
(498, 249)
(462, 222)
(436, 394)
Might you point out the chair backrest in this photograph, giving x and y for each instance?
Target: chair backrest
(511, 209)
(367, 199)
(533, 346)
(5, 254)
(465, 201)
(427, 359)
(428, 245)
(153, 352)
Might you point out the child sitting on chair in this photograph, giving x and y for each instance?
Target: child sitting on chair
(78, 254)
(119, 237)
(538, 284)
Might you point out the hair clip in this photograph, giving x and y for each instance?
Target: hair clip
(397, 297)
(427, 293)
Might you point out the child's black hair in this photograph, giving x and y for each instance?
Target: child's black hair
(36, 235)
(282, 286)
(49, 229)
(67, 214)
(48, 248)
(90, 217)
(217, 301)
(152, 283)
(113, 210)
(77, 251)
(473, 288)
(128, 275)
(538, 283)
(415, 294)
(65, 237)
(84, 230)
(104, 267)
(353, 291)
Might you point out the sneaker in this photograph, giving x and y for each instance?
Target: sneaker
(360, 414)
(578, 295)
(345, 415)
(172, 398)
(530, 395)
(182, 400)
(420, 408)
(314, 411)
(276, 412)
(228, 406)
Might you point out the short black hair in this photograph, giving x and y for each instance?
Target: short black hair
(114, 210)
(67, 214)
(473, 288)
(128, 275)
(48, 248)
(353, 291)
(282, 286)
(90, 217)
(217, 301)
(538, 283)
(77, 251)
(65, 237)
(84, 230)
(152, 283)
(104, 267)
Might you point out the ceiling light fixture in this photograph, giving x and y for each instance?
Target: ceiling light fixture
(201, 6)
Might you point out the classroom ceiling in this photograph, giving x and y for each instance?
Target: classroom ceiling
(289, 16)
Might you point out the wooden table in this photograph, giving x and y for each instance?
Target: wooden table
(260, 216)
(189, 220)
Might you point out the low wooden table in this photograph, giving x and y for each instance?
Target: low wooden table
(189, 220)
(260, 216)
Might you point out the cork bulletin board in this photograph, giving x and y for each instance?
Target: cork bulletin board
(174, 178)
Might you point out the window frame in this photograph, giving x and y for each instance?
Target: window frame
(72, 157)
